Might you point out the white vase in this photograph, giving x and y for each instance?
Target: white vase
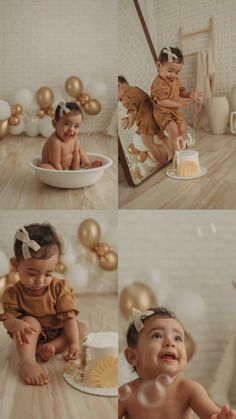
(218, 114)
(232, 98)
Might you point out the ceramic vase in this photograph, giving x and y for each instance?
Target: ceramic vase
(218, 114)
(232, 98)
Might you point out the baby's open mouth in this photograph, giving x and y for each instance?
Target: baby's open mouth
(168, 356)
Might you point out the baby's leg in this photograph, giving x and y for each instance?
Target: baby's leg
(151, 146)
(30, 370)
(172, 135)
(60, 344)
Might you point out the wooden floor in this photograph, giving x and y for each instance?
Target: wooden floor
(57, 400)
(20, 188)
(215, 190)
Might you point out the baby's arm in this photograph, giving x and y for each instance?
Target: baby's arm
(55, 155)
(19, 330)
(194, 95)
(75, 165)
(167, 103)
(84, 158)
(129, 120)
(72, 337)
(203, 406)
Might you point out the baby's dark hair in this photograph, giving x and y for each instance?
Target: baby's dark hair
(122, 79)
(132, 334)
(72, 106)
(45, 236)
(163, 57)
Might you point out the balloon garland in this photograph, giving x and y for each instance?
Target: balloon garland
(13, 116)
(89, 234)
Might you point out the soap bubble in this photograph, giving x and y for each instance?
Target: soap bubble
(208, 231)
(164, 379)
(124, 392)
(151, 394)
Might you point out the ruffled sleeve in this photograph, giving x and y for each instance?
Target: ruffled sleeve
(159, 90)
(65, 305)
(10, 304)
(130, 104)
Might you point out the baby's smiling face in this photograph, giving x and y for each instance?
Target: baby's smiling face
(170, 70)
(160, 349)
(67, 127)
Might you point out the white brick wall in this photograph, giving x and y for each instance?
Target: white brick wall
(168, 241)
(44, 42)
(135, 60)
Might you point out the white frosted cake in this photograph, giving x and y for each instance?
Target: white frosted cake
(186, 163)
(99, 361)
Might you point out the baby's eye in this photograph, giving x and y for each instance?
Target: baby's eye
(48, 275)
(156, 335)
(179, 338)
(76, 126)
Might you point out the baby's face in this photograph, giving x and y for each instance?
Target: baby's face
(67, 127)
(36, 274)
(161, 348)
(170, 71)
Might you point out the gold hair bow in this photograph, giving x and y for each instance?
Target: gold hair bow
(170, 54)
(23, 236)
(137, 316)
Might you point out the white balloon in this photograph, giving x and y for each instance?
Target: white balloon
(32, 127)
(78, 276)
(24, 98)
(96, 89)
(137, 141)
(45, 126)
(189, 307)
(5, 110)
(69, 256)
(4, 264)
(17, 129)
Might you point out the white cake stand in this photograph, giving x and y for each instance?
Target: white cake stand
(97, 391)
(203, 171)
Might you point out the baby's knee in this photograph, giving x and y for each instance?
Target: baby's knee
(33, 322)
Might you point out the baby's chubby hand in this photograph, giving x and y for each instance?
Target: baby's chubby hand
(73, 352)
(20, 330)
(195, 95)
(124, 123)
(226, 413)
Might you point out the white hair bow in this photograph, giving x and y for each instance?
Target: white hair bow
(170, 54)
(23, 236)
(63, 108)
(137, 316)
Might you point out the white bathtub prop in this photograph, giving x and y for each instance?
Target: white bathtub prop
(71, 179)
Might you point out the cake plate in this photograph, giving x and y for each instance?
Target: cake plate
(96, 391)
(203, 171)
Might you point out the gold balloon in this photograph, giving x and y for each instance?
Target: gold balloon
(50, 112)
(84, 98)
(109, 261)
(14, 120)
(60, 267)
(74, 86)
(142, 155)
(44, 97)
(12, 278)
(137, 295)
(89, 233)
(4, 128)
(16, 109)
(2, 286)
(40, 113)
(190, 346)
(92, 107)
(132, 149)
(101, 249)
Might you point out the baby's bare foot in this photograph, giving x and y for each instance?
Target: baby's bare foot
(45, 351)
(32, 373)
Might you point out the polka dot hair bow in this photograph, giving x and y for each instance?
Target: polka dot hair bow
(23, 236)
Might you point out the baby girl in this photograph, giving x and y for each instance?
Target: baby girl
(40, 310)
(156, 348)
(61, 150)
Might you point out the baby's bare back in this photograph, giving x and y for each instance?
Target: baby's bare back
(173, 406)
(59, 152)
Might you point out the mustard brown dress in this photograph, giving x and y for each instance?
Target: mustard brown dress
(162, 89)
(55, 304)
(136, 100)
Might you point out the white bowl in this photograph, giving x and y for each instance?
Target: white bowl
(70, 179)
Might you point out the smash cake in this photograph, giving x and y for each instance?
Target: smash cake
(98, 364)
(185, 164)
